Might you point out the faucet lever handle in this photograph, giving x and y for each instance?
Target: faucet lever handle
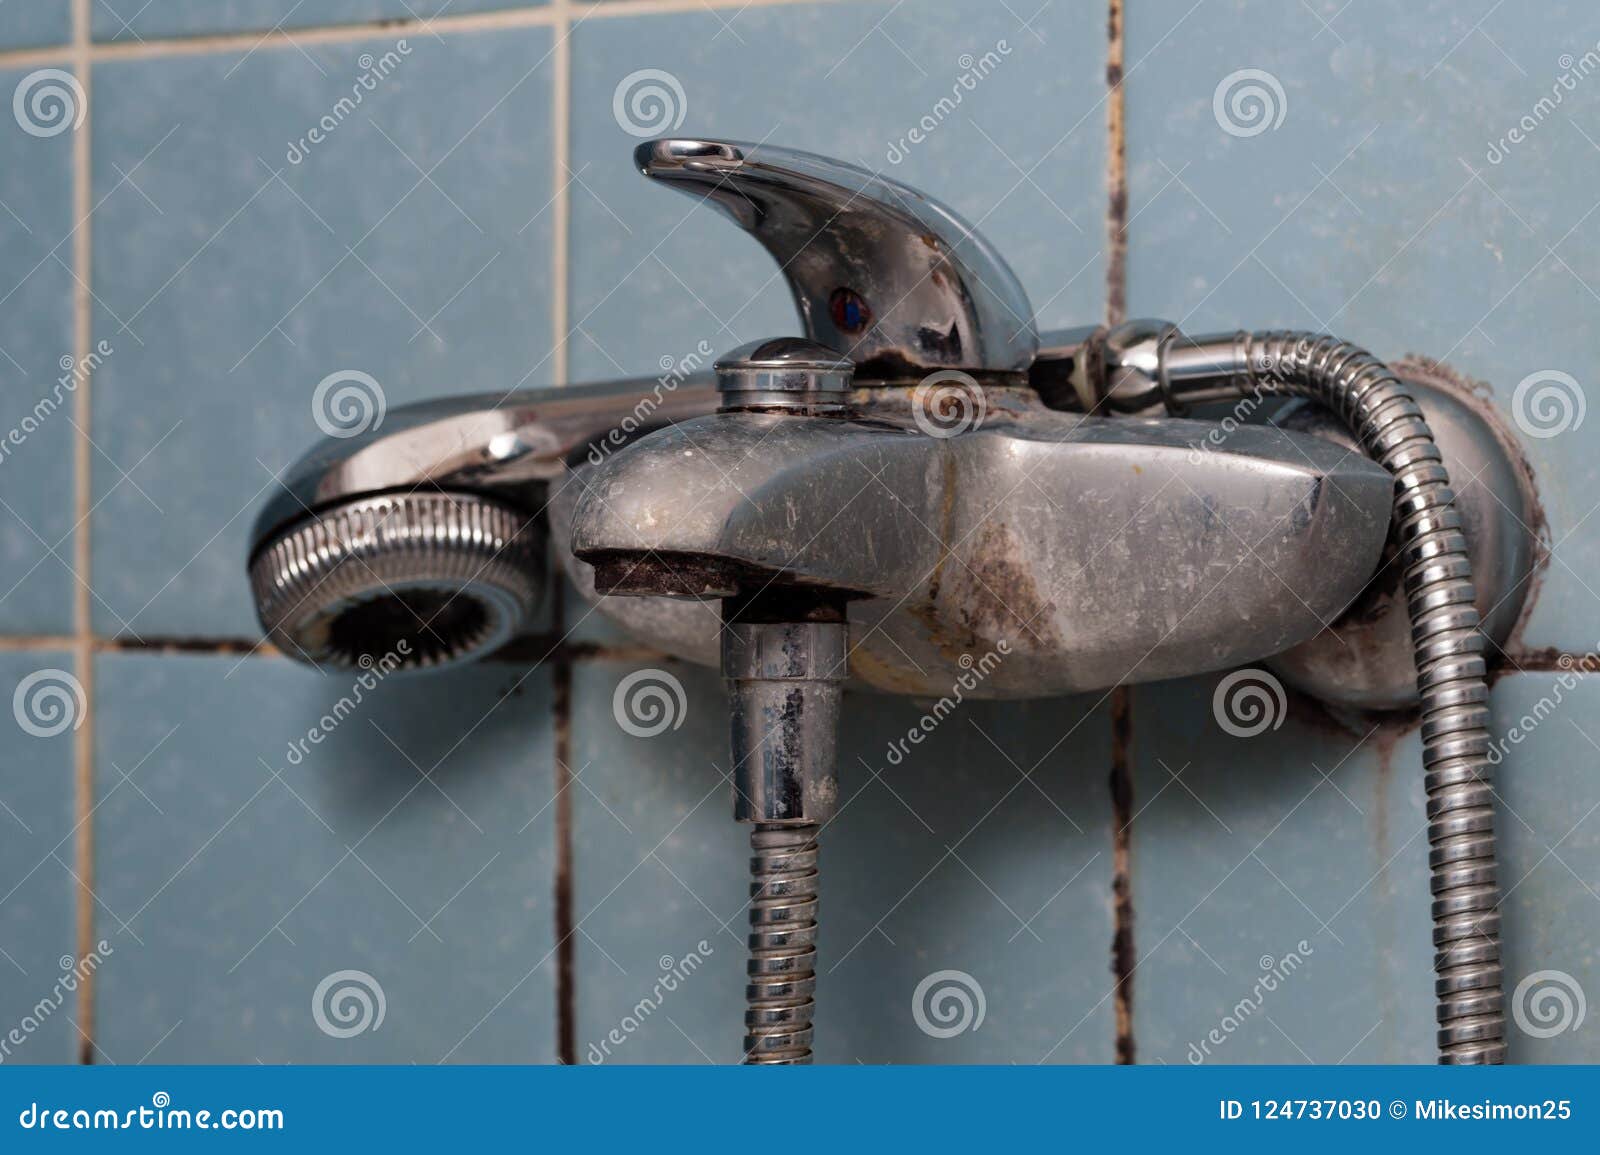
(880, 272)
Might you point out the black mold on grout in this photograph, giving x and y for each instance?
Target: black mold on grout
(1123, 955)
(565, 926)
(526, 650)
(183, 646)
(550, 647)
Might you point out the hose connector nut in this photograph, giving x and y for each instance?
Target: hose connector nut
(784, 681)
(1135, 355)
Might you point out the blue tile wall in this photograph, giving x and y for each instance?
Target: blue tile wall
(242, 861)
(38, 388)
(411, 244)
(1366, 200)
(653, 843)
(34, 23)
(1386, 204)
(1280, 880)
(1284, 872)
(38, 946)
(236, 263)
(987, 852)
(1548, 798)
(658, 273)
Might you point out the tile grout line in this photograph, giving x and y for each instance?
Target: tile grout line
(515, 652)
(565, 927)
(1116, 172)
(1123, 956)
(258, 38)
(561, 671)
(83, 628)
(1542, 660)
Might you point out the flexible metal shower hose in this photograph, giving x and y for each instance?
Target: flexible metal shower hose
(783, 944)
(1381, 413)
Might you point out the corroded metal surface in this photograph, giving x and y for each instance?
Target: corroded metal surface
(1088, 552)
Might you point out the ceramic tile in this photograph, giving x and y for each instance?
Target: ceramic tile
(409, 245)
(260, 828)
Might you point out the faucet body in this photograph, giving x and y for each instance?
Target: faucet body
(925, 493)
(1089, 551)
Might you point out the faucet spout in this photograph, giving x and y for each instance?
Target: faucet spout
(880, 272)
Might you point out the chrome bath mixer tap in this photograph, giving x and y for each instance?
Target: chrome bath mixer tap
(922, 476)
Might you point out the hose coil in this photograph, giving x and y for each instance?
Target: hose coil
(1381, 413)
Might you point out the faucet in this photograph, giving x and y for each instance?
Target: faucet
(919, 478)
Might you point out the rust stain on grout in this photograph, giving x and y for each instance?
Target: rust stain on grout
(1116, 174)
(1547, 660)
(1123, 954)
